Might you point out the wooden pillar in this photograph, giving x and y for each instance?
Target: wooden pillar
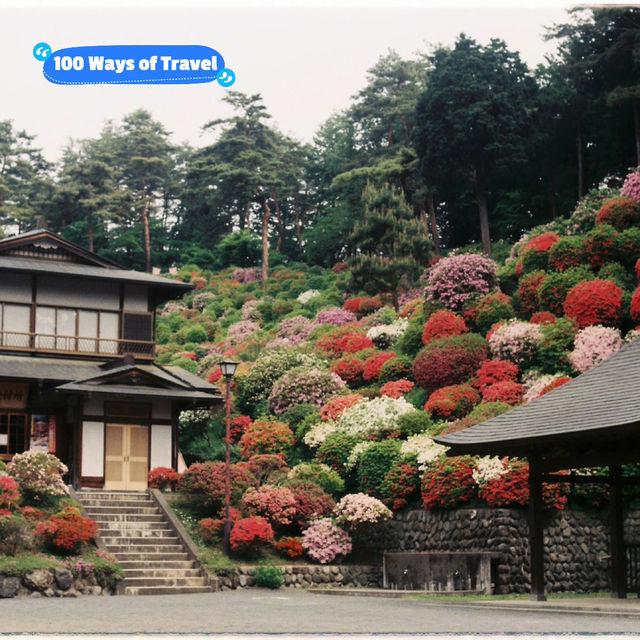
(536, 533)
(616, 533)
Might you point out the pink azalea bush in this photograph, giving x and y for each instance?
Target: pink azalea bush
(325, 542)
(631, 187)
(335, 316)
(296, 329)
(303, 386)
(458, 278)
(241, 331)
(357, 509)
(516, 341)
(594, 345)
(277, 505)
(249, 311)
(38, 473)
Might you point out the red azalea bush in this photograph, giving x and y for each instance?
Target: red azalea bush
(373, 365)
(529, 292)
(449, 361)
(489, 310)
(493, 371)
(207, 480)
(333, 409)
(543, 317)
(350, 368)
(601, 246)
(276, 505)
(266, 436)
(311, 502)
(635, 306)
(452, 402)
(448, 483)
(506, 391)
(620, 213)
(9, 493)
(443, 323)
(595, 302)
(401, 484)
(267, 466)
(362, 306)
(67, 530)
(249, 535)
(396, 388)
(212, 529)
(558, 382)
(344, 340)
(289, 547)
(567, 252)
(238, 426)
(31, 514)
(163, 478)
(215, 375)
(543, 242)
(512, 488)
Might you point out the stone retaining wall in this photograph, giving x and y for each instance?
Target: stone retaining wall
(301, 576)
(576, 544)
(48, 583)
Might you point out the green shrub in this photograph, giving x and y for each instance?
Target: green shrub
(298, 414)
(335, 450)
(555, 344)
(374, 464)
(188, 365)
(396, 368)
(163, 333)
(567, 252)
(507, 278)
(615, 272)
(410, 342)
(15, 535)
(629, 246)
(555, 287)
(268, 575)
(534, 261)
(238, 249)
(322, 475)
(414, 422)
(417, 397)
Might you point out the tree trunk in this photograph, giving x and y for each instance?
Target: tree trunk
(265, 239)
(279, 220)
(434, 225)
(580, 183)
(636, 128)
(483, 210)
(407, 140)
(90, 230)
(147, 237)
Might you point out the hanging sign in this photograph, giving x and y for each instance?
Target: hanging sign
(13, 395)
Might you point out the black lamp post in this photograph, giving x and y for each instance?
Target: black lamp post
(228, 368)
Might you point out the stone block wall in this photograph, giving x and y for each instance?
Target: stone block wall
(49, 583)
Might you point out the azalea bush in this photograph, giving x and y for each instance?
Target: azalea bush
(529, 292)
(631, 187)
(601, 246)
(311, 503)
(303, 386)
(343, 341)
(373, 464)
(319, 474)
(362, 306)
(289, 547)
(396, 388)
(357, 509)
(543, 242)
(373, 416)
(335, 316)
(384, 335)
(492, 371)
(456, 279)
(488, 310)
(396, 368)
(442, 324)
(296, 329)
(620, 213)
(266, 436)
(635, 306)
(267, 468)
(401, 484)
(325, 542)
(249, 535)
(374, 364)
(276, 505)
(163, 478)
(453, 401)
(594, 345)
(335, 450)
(241, 331)
(349, 368)
(9, 493)
(67, 530)
(448, 483)
(516, 341)
(567, 252)
(481, 413)
(506, 391)
(595, 302)
(335, 407)
(39, 474)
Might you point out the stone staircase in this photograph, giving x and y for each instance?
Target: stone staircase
(136, 532)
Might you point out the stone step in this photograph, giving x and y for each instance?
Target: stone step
(153, 565)
(137, 506)
(128, 517)
(161, 591)
(152, 572)
(152, 557)
(118, 541)
(152, 547)
(198, 581)
(105, 495)
(132, 533)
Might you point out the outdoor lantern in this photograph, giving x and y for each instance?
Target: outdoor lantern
(228, 368)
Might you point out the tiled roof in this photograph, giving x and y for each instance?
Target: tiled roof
(601, 401)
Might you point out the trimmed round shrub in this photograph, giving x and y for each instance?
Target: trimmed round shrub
(268, 575)
(516, 341)
(343, 341)
(349, 368)
(442, 324)
(533, 261)
(601, 246)
(567, 252)
(38, 474)
(374, 463)
(448, 483)
(615, 272)
(543, 242)
(555, 344)
(401, 485)
(396, 388)
(410, 342)
(249, 535)
(594, 345)
(376, 418)
(321, 475)
(629, 247)
(631, 187)
(414, 422)
(325, 542)
(556, 286)
(335, 316)
(207, 481)
(454, 401)
(362, 306)
(493, 371)
(335, 450)
(529, 292)
(635, 306)
(395, 369)
(267, 468)
(543, 317)
(449, 361)
(489, 310)
(356, 510)
(595, 302)
(507, 391)
(333, 409)
(163, 478)
(456, 279)
(620, 213)
(311, 502)
(374, 364)
(9, 493)
(266, 436)
(67, 530)
(303, 386)
(289, 547)
(276, 505)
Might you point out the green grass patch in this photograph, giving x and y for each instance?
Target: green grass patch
(23, 563)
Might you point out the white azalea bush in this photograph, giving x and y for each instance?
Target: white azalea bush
(424, 448)
(357, 509)
(39, 474)
(384, 335)
(318, 433)
(489, 468)
(305, 296)
(373, 416)
(356, 452)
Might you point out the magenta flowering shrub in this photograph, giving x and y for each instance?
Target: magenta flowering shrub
(594, 345)
(250, 312)
(296, 329)
(241, 331)
(335, 316)
(303, 385)
(516, 341)
(409, 296)
(251, 274)
(458, 278)
(325, 542)
(357, 509)
(277, 505)
(631, 187)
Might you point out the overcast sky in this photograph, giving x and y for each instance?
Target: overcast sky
(306, 62)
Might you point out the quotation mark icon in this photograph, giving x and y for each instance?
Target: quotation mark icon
(226, 78)
(41, 51)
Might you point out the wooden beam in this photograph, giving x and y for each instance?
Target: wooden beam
(536, 534)
(616, 533)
